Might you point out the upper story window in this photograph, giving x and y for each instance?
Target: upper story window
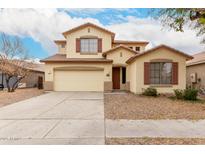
(160, 73)
(89, 45)
(131, 47)
(62, 45)
(137, 48)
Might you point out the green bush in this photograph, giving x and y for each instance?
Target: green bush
(190, 94)
(150, 92)
(179, 94)
(187, 94)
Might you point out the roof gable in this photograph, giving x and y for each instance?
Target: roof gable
(188, 57)
(118, 47)
(86, 25)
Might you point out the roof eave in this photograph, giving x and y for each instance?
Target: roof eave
(88, 24)
(115, 48)
(188, 57)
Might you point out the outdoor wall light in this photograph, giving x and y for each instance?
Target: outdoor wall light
(49, 72)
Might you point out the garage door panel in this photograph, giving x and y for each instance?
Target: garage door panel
(78, 81)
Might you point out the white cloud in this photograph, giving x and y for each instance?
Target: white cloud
(43, 25)
(46, 25)
(148, 29)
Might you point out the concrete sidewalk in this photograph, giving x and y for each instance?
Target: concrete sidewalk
(54, 118)
(155, 128)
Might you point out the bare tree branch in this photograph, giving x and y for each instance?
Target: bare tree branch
(12, 60)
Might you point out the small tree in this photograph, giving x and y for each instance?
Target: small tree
(12, 61)
(177, 18)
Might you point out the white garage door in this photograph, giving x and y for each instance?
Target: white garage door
(78, 81)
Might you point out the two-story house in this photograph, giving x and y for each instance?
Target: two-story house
(90, 59)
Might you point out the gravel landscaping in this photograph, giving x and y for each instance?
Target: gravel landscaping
(130, 106)
(155, 141)
(19, 95)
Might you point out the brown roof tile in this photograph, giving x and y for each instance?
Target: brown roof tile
(117, 47)
(63, 58)
(129, 42)
(85, 25)
(60, 41)
(199, 58)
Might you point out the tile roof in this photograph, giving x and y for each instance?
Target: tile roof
(199, 58)
(117, 47)
(158, 47)
(63, 58)
(85, 25)
(129, 42)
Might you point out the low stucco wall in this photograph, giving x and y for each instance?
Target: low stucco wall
(136, 70)
(32, 79)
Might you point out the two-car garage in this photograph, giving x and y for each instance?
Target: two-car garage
(79, 80)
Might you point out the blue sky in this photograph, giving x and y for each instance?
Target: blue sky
(108, 16)
(39, 27)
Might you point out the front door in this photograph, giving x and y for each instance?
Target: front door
(116, 77)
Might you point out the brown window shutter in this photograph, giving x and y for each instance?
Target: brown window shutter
(146, 73)
(175, 73)
(99, 45)
(77, 45)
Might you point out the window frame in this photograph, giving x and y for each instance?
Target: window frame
(90, 45)
(63, 45)
(156, 73)
(137, 48)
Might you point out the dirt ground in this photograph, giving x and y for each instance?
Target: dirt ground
(130, 106)
(155, 141)
(20, 94)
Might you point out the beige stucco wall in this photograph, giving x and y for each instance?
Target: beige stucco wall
(49, 69)
(61, 50)
(94, 32)
(120, 56)
(131, 77)
(200, 71)
(137, 71)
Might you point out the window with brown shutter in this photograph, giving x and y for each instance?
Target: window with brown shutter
(175, 73)
(146, 73)
(99, 45)
(89, 45)
(77, 45)
(160, 73)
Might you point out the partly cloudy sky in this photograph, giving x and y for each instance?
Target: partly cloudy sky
(39, 27)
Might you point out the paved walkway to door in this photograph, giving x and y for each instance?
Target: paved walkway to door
(54, 118)
(155, 128)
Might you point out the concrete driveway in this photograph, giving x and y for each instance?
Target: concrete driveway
(54, 118)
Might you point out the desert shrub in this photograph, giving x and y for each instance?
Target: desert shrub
(190, 94)
(187, 94)
(179, 94)
(150, 92)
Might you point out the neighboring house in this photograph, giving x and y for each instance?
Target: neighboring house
(196, 71)
(90, 59)
(34, 78)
